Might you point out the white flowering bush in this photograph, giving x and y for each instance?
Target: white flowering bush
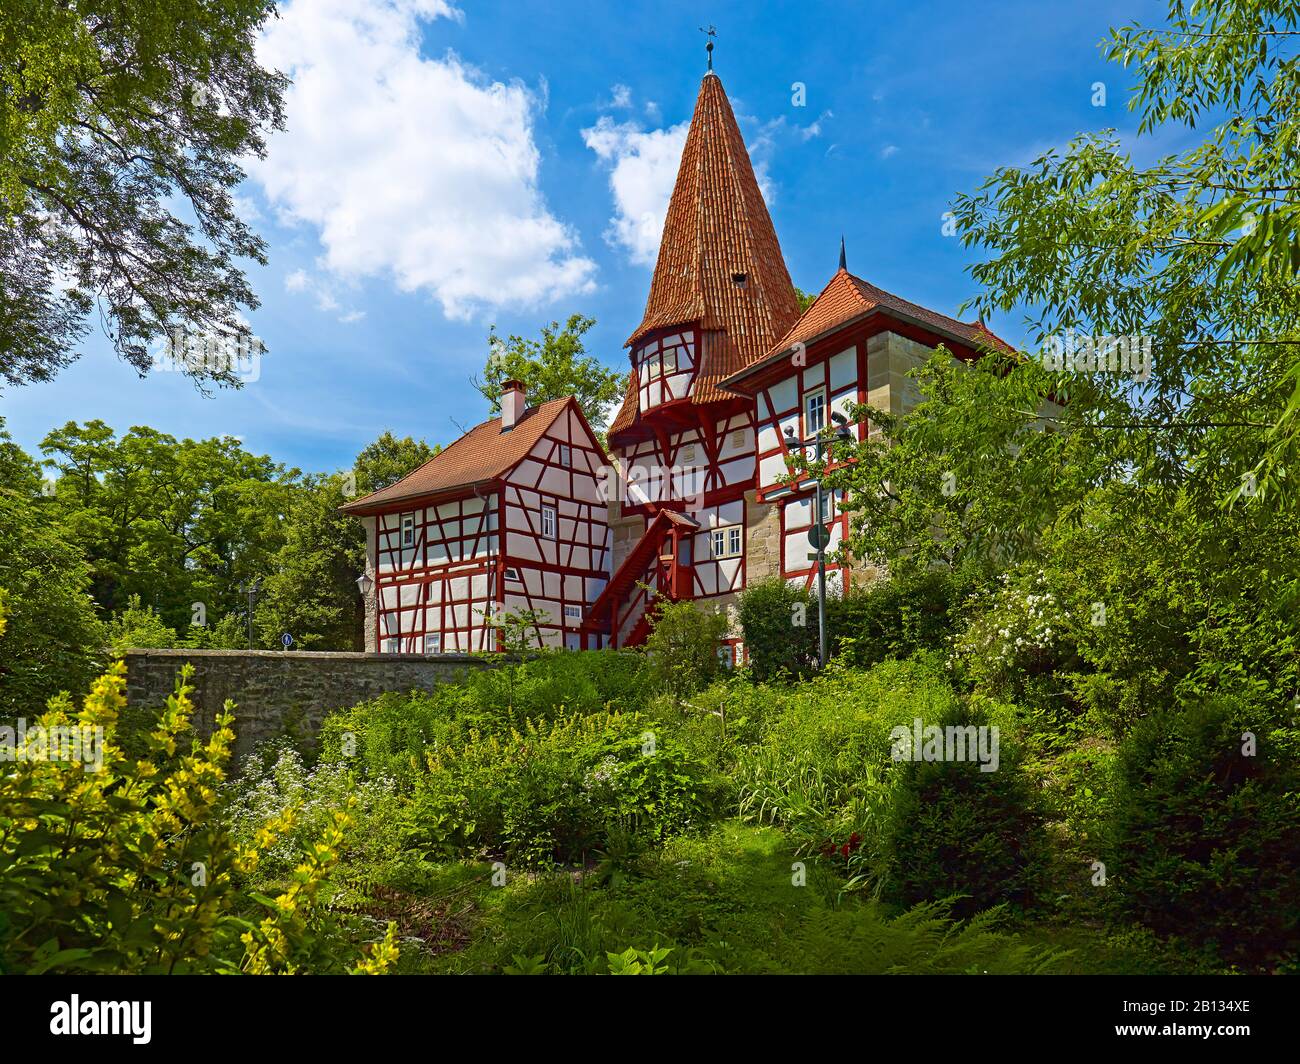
(275, 780)
(1021, 629)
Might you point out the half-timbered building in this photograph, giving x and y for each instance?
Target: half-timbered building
(509, 517)
(726, 378)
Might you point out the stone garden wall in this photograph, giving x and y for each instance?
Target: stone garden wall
(284, 693)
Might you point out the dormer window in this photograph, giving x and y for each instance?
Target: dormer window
(740, 280)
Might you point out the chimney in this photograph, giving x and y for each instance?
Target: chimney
(512, 404)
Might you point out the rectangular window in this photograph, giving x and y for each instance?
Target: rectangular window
(573, 613)
(408, 530)
(814, 412)
(738, 438)
(566, 455)
(688, 453)
(390, 646)
(548, 522)
(828, 506)
(670, 361)
(726, 542)
(512, 574)
(433, 643)
(727, 656)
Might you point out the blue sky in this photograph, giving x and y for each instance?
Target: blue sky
(447, 168)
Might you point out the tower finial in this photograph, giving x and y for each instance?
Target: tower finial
(843, 263)
(711, 32)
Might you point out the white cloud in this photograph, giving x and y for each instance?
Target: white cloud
(888, 150)
(323, 289)
(620, 96)
(642, 168)
(424, 170)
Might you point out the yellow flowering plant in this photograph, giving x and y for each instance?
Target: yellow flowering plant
(123, 866)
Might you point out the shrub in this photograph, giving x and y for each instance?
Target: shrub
(138, 626)
(1021, 631)
(1206, 839)
(127, 870)
(820, 767)
(779, 624)
(551, 791)
(895, 617)
(683, 646)
(953, 829)
(274, 781)
(387, 737)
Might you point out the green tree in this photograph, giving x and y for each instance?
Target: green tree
(388, 459)
(111, 114)
(175, 522)
(553, 367)
(310, 590)
(1196, 254)
(53, 641)
(683, 645)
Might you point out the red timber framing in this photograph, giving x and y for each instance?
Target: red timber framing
(437, 575)
(557, 551)
(835, 368)
(659, 564)
(536, 537)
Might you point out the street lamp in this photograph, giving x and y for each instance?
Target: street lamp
(819, 535)
(364, 584)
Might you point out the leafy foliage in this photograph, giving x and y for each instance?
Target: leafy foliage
(124, 867)
(683, 645)
(108, 114)
(553, 367)
(1205, 838)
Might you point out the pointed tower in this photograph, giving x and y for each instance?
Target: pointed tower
(720, 274)
(720, 298)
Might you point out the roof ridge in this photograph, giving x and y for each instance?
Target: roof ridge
(497, 462)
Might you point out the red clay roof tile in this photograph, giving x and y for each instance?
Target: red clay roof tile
(717, 227)
(483, 453)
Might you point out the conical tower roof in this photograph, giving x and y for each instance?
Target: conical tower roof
(720, 263)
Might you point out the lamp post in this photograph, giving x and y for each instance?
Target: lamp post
(819, 535)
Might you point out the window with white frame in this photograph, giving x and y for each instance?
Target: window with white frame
(814, 412)
(408, 530)
(391, 645)
(828, 507)
(548, 522)
(688, 453)
(670, 361)
(573, 613)
(433, 643)
(738, 438)
(566, 455)
(726, 542)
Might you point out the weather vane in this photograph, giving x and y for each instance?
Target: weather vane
(709, 47)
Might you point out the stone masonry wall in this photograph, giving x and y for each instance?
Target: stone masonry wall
(284, 693)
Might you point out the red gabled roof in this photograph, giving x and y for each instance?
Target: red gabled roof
(483, 453)
(717, 226)
(846, 298)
